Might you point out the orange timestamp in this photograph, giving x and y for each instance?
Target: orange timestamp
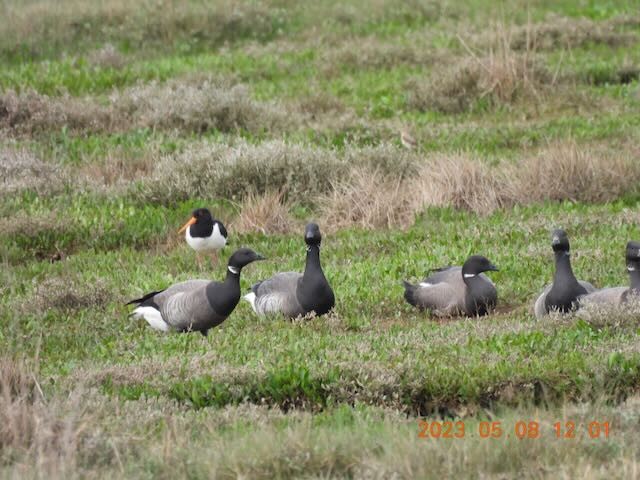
(521, 429)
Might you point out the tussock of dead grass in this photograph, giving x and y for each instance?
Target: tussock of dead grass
(499, 76)
(29, 428)
(561, 32)
(368, 199)
(21, 170)
(370, 52)
(193, 105)
(49, 437)
(211, 170)
(38, 28)
(197, 107)
(461, 182)
(567, 171)
(560, 172)
(107, 56)
(30, 112)
(267, 214)
(66, 294)
(119, 168)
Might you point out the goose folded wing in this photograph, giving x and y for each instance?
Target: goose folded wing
(278, 294)
(606, 296)
(442, 298)
(182, 302)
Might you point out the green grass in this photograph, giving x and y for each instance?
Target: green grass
(337, 396)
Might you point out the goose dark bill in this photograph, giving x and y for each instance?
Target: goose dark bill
(563, 293)
(195, 305)
(294, 294)
(452, 291)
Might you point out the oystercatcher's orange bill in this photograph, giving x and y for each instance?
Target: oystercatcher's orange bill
(191, 221)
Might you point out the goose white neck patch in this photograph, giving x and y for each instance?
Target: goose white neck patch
(234, 270)
(469, 275)
(631, 268)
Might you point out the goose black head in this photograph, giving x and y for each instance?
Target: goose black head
(241, 258)
(476, 264)
(198, 216)
(632, 256)
(559, 240)
(312, 234)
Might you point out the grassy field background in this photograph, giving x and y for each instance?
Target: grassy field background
(118, 118)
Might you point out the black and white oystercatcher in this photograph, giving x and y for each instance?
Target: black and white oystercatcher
(562, 295)
(204, 233)
(453, 291)
(294, 294)
(195, 305)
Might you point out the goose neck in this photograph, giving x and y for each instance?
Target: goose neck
(563, 267)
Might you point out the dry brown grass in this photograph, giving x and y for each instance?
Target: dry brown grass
(107, 56)
(30, 112)
(197, 106)
(214, 170)
(21, 170)
(34, 431)
(368, 199)
(66, 294)
(267, 214)
(190, 104)
(462, 182)
(567, 171)
(371, 52)
(499, 75)
(42, 27)
(119, 168)
(563, 171)
(557, 32)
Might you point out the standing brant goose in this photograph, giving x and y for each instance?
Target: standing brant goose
(204, 233)
(296, 294)
(195, 305)
(620, 295)
(563, 293)
(455, 291)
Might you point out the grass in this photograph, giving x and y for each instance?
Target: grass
(118, 121)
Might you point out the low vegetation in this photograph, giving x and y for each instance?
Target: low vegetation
(118, 119)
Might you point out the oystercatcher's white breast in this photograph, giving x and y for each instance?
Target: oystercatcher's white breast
(215, 241)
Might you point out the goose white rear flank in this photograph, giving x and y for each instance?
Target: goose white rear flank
(152, 316)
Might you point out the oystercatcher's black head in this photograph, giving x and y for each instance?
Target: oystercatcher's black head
(199, 216)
